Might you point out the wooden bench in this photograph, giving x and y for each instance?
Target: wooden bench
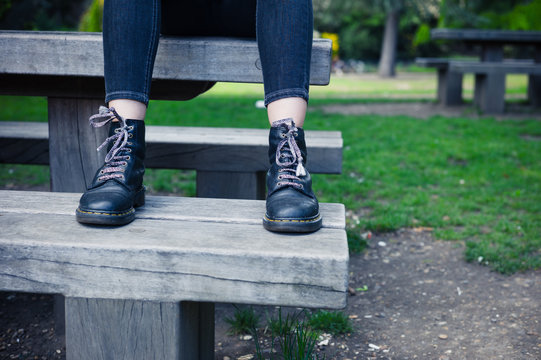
(147, 290)
(230, 163)
(489, 93)
(165, 270)
(491, 69)
(67, 68)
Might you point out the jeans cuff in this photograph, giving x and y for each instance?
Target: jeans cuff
(286, 93)
(131, 95)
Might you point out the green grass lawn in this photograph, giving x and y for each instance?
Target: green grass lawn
(476, 181)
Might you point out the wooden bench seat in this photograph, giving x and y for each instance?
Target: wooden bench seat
(230, 162)
(70, 64)
(489, 87)
(187, 251)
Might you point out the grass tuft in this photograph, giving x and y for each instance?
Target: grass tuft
(244, 321)
(333, 322)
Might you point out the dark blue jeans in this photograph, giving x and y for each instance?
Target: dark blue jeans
(131, 30)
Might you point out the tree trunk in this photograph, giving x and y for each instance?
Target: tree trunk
(387, 60)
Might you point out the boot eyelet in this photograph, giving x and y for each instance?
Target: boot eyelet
(102, 172)
(302, 187)
(130, 136)
(125, 163)
(278, 184)
(283, 136)
(296, 134)
(280, 177)
(129, 143)
(130, 128)
(128, 158)
(117, 130)
(128, 150)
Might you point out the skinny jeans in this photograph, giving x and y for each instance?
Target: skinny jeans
(132, 28)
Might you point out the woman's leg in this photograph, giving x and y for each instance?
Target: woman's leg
(131, 30)
(130, 39)
(284, 35)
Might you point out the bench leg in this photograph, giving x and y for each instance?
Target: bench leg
(138, 330)
(534, 90)
(73, 142)
(490, 93)
(231, 185)
(449, 88)
(534, 82)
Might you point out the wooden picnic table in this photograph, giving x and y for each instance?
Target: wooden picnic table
(492, 44)
(492, 41)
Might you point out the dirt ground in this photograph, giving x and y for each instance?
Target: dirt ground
(422, 302)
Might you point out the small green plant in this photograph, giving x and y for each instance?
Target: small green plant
(280, 325)
(334, 322)
(244, 321)
(292, 338)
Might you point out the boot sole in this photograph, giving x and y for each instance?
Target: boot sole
(111, 218)
(292, 225)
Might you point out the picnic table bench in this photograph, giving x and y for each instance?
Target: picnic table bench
(147, 290)
(490, 70)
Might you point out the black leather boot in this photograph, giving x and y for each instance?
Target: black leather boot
(117, 187)
(291, 203)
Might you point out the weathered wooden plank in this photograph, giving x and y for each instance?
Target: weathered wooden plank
(432, 62)
(506, 67)
(231, 185)
(167, 261)
(70, 138)
(197, 148)
(99, 329)
(201, 59)
(496, 36)
(248, 212)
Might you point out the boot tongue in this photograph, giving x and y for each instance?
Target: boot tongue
(288, 122)
(288, 154)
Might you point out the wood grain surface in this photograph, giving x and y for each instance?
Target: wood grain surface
(210, 255)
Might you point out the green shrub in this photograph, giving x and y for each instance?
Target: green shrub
(92, 19)
(244, 321)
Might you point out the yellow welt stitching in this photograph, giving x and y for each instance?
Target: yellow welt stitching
(300, 221)
(103, 213)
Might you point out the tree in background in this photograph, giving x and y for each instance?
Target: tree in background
(377, 29)
(387, 60)
(485, 14)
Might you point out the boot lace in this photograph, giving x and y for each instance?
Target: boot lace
(115, 161)
(289, 151)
